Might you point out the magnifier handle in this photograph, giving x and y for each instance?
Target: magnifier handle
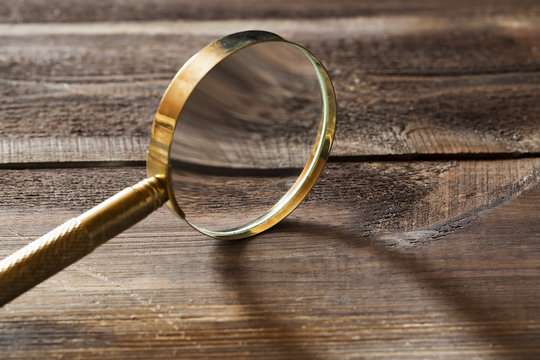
(78, 237)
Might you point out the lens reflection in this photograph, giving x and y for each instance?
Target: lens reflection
(244, 135)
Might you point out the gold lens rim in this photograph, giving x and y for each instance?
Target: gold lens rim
(176, 96)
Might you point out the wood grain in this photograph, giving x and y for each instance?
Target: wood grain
(420, 240)
(54, 151)
(468, 86)
(72, 11)
(429, 192)
(402, 266)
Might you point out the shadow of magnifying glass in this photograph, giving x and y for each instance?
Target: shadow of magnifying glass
(272, 332)
(268, 298)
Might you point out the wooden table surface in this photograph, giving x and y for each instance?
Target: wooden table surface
(421, 239)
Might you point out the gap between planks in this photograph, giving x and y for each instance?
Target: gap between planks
(331, 159)
(80, 152)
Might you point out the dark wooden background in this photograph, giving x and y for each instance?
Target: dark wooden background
(420, 240)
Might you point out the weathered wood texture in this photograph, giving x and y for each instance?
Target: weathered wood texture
(421, 260)
(386, 258)
(405, 86)
(102, 10)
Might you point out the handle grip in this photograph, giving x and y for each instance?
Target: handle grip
(78, 237)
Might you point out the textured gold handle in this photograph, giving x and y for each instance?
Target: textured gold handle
(78, 237)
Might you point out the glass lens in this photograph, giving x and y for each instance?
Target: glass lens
(244, 135)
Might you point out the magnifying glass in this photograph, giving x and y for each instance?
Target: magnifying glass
(239, 139)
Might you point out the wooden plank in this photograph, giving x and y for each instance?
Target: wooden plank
(428, 192)
(415, 97)
(408, 260)
(478, 187)
(23, 152)
(72, 11)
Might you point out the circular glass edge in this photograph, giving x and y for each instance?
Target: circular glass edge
(177, 94)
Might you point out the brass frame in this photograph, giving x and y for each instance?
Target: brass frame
(176, 96)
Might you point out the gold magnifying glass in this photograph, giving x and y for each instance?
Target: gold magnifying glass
(239, 139)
